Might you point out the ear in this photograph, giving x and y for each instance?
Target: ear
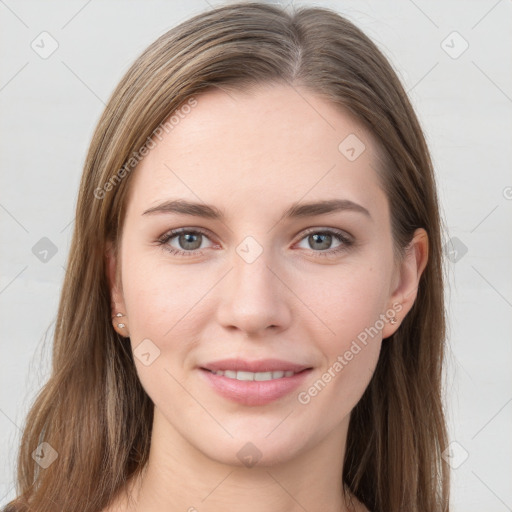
(114, 280)
(407, 278)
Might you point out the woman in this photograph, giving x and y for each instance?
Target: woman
(252, 314)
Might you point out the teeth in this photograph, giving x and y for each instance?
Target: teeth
(241, 375)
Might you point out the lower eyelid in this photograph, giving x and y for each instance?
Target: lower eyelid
(344, 240)
(167, 237)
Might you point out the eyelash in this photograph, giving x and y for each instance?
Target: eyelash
(338, 235)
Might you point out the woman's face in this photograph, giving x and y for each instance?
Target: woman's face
(270, 277)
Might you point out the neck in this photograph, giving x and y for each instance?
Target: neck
(180, 478)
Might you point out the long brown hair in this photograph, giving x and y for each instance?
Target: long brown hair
(93, 410)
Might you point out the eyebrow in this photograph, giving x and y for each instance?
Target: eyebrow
(296, 210)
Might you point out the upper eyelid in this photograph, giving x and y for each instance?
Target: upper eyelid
(175, 232)
(171, 233)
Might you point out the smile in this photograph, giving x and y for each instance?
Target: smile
(259, 376)
(254, 388)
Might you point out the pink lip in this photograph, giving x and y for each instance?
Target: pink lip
(264, 365)
(254, 392)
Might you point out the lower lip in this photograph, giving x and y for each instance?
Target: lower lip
(250, 392)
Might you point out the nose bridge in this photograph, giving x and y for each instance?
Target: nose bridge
(253, 297)
(251, 274)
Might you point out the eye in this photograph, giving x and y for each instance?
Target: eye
(188, 241)
(321, 241)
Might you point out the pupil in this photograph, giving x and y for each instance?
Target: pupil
(188, 238)
(320, 237)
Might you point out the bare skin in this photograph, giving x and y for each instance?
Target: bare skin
(252, 154)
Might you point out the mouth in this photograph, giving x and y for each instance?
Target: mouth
(255, 376)
(254, 388)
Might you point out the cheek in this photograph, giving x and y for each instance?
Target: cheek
(350, 335)
(158, 296)
(163, 305)
(350, 359)
(340, 386)
(343, 300)
(346, 299)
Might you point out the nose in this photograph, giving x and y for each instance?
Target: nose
(254, 297)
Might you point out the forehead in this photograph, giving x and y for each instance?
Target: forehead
(253, 149)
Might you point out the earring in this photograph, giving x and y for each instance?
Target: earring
(119, 315)
(393, 320)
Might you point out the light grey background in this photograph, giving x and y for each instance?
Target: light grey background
(49, 107)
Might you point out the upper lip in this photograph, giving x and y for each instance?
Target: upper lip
(263, 365)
